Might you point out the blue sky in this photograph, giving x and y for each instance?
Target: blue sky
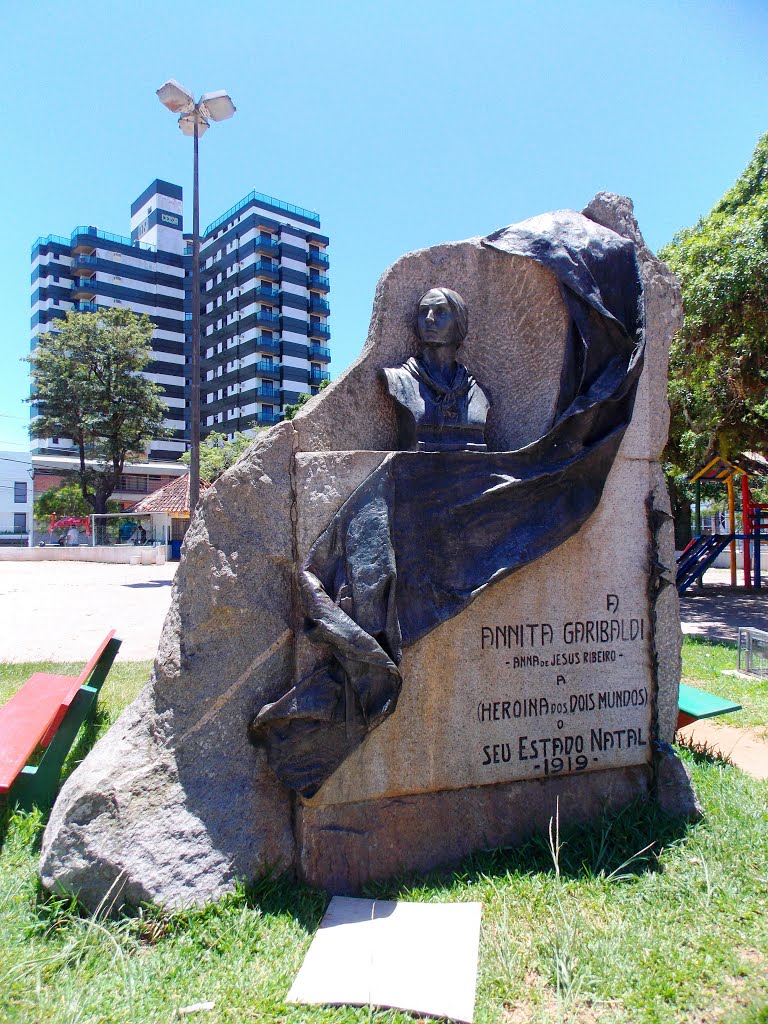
(403, 123)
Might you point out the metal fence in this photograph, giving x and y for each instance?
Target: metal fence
(753, 651)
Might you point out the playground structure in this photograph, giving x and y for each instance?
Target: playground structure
(702, 551)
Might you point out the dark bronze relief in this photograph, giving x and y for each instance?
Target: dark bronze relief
(440, 406)
(443, 518)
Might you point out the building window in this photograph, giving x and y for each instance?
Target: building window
(19, 522)
(20, 492)
(55, 440)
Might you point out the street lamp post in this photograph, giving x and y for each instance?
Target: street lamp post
(194, 119)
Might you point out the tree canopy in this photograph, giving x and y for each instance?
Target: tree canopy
(291, 410)
(718, 387)
(218, 454)
(63, 501)
(88, 386)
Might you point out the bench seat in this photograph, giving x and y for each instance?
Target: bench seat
(694, 704)
(46, 713)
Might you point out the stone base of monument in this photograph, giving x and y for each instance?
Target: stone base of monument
(342, 848)
(548, 693)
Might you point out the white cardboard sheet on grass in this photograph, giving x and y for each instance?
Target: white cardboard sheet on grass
(408, 956)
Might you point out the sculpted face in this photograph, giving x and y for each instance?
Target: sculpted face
(436, 322)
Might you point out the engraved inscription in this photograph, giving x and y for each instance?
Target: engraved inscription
(585, 715)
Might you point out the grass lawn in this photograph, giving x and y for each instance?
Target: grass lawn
(704, 664)
(596, 931)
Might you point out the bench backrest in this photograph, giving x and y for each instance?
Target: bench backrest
(33, 714)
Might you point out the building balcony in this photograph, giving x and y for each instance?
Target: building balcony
(267, 369)
(271, 270)
(264, 319)
(83, 241)
(319, 331)
(86, 307)
(319, 352)
(265, 394)
(266, 245)
(318, 376)
(83, 286)
(319, 306)
(84, 238)
(264, 291)
(81, 261)
(268, 419)
(317, 259)
(265, 345)
(320, 282)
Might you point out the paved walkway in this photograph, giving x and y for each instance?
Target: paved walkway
(746, 748)
(59, 611)
(716, 610)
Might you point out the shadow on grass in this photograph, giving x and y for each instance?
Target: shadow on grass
(616, 846)
(701, 752)
(613, 847)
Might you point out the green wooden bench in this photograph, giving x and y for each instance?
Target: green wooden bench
(694, 704)
(43, 718)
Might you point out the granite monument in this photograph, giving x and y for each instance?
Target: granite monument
(409, 621)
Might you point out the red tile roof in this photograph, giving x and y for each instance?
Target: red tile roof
(173, 497)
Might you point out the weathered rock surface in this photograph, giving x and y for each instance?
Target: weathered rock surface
(174, 803)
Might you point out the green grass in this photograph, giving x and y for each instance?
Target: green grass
(704, 664)
(124, 681)
(585, 930)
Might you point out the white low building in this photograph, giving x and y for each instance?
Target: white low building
(15, 497)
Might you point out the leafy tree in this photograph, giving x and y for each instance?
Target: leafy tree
(218, 454)
(718, 387)
(66, 500)
(88, 386)
(291, 410)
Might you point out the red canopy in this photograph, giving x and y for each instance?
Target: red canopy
(67, 521)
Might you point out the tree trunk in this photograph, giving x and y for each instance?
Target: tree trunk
(681, 512)
(101, 494)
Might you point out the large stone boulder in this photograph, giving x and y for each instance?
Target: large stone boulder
(175, 804)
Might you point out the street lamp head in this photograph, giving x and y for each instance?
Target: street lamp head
(187, 124)
(176, 97)
(213, 106)
(216, 106)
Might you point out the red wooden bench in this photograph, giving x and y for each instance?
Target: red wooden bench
(46, 713)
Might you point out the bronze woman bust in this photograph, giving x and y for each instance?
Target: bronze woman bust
(440, 406)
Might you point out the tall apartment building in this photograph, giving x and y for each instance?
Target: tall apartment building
(264, 327)
(264, 331)
(95, 269)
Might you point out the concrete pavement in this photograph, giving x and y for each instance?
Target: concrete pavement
(59, 611)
